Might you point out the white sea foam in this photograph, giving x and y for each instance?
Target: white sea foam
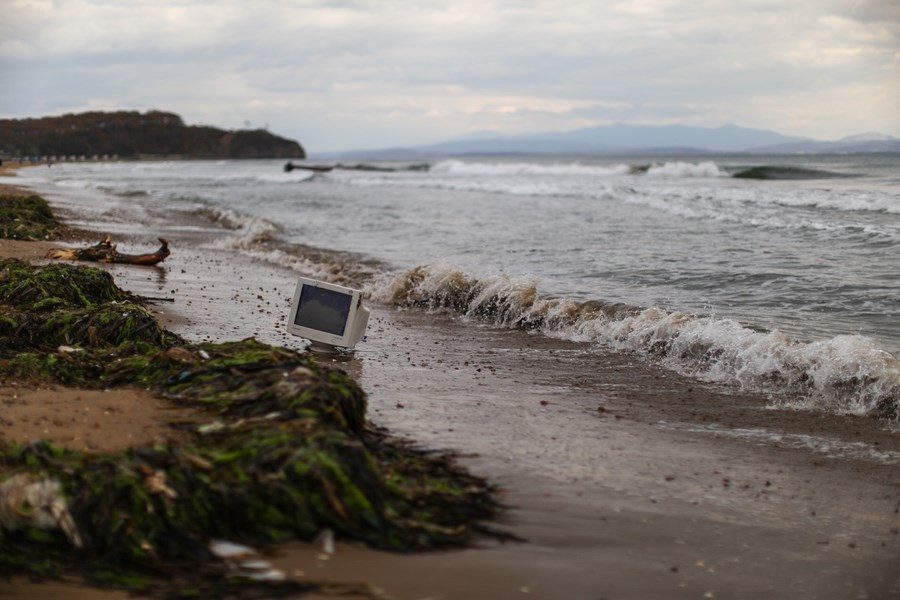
(80, 184)
(335, 271)
(825, 446)
(458, 167)
(676, 169)
(258, 238)
(576, 179)
(514, 186)
(845, 374)
(250, 230)
(686, 169)
(292, 177)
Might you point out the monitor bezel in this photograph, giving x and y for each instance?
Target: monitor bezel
(316, 335)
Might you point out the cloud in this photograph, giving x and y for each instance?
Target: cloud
(376, 73)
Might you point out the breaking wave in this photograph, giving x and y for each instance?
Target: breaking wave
(844, 374)
(250, 230)
(685, 169)
(668, 169)
(671, 169)
(257, 237)
(458, 167)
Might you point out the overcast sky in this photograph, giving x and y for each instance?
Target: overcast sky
(349, 74)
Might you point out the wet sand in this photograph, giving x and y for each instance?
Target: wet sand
(626, 481)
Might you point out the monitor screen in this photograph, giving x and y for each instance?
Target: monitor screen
(323, 309)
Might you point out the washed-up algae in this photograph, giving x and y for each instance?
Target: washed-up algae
(44, 308)
(27, 218)
(282, 450)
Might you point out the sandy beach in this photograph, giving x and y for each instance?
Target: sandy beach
(623, 480)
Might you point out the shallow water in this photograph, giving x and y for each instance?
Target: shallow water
(785, 281)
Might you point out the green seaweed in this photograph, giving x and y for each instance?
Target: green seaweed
(280, 449)
(25, 286)
(47, 307)
(27, 218)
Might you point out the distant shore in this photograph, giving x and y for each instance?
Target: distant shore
(134, 135)
(626, 480)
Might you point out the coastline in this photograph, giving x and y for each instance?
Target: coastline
(672, 490)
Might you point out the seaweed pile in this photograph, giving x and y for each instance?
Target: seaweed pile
(282, 451)
(42, 309)
(27, 218)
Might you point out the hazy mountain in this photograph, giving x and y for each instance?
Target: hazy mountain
(727, 138)
(864, 143)
(621, 139)
(870, 137)
(608, 139)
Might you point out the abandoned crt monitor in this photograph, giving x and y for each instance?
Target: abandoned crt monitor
(330, 316)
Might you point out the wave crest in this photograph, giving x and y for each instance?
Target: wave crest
(458, 167)
(676, 169)
(249, 231)
(679, 169)
(845, 374)
(502, 299)
(842, 374)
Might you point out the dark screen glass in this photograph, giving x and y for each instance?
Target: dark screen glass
(323, 309)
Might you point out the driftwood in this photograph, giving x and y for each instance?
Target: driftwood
(325, 169)
(105, 252)
(291, 166)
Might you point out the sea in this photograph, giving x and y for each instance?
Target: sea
(777, 274)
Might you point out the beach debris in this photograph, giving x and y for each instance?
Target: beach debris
(181, 355)
(326, 541)
(27, 502)
(106, 252)
(290, 166)
(155, 483)
(244, 561)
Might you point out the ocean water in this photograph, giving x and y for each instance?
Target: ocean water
(771, 273)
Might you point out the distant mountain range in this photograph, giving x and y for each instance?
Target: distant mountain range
(621, 139)
(866, 143)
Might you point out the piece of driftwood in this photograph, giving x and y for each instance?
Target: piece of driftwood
(105, 252)
(361, 167)
(291, 166)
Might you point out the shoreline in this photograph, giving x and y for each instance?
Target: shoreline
(641, 499)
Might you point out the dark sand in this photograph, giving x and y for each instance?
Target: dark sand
(626, 481)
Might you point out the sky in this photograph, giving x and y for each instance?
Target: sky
(358, 74)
